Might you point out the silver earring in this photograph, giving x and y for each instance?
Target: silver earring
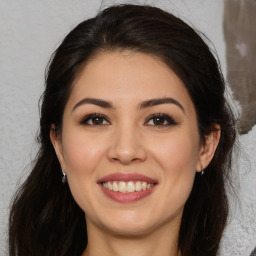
(64, 177)
(202, 170)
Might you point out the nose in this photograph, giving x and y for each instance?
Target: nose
(127, 147)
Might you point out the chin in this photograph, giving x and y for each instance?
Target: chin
(130, 229)
(136, 224)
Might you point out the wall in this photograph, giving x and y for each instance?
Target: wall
(30, 31)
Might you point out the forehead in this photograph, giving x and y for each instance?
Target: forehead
(124, 76)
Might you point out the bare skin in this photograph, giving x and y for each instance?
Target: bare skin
(129, 114)
(140, 246)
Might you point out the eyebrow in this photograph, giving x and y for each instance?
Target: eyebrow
(154, 102)
(98, 102)
(143, 105)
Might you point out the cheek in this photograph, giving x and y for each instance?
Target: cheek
(177, 158)
(177, 154)
(81, 154)
(179, 165)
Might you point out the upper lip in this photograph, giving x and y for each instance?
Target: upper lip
(126, 177)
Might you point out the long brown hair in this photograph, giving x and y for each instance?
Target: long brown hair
(44, 218)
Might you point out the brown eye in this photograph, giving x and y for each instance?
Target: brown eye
(160, 120)
(95, 119)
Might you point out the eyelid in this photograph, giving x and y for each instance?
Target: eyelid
(167, 117)
(87, 117)
(84, 120)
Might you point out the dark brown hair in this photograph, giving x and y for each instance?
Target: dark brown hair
(44, 218)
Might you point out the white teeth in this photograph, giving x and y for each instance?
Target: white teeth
(127, 187)
(109, 185)
(122, 187)
(138, 186)
(130, 187)
(115, 186)
(144, 185)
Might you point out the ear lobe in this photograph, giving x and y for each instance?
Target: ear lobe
(207, 150)
(57, 144)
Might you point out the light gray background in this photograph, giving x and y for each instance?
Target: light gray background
(30, 30)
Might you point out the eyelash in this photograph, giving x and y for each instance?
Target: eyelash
(168, 120)
(85, 120)
(165, 119)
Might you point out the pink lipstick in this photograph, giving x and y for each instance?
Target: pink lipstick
(126, 177)
(125, 188)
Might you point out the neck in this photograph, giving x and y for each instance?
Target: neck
(163, 241)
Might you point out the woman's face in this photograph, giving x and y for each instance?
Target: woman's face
(130, 143)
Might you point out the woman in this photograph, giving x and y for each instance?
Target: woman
(136, 140)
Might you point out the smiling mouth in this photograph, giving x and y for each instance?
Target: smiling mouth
(127, 187)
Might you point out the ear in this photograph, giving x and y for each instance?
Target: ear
(207, 150)
(57, 144)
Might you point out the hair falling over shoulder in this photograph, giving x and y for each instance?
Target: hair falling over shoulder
(44, 218)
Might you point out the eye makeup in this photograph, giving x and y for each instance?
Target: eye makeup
(160, 119)
(94, 119)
